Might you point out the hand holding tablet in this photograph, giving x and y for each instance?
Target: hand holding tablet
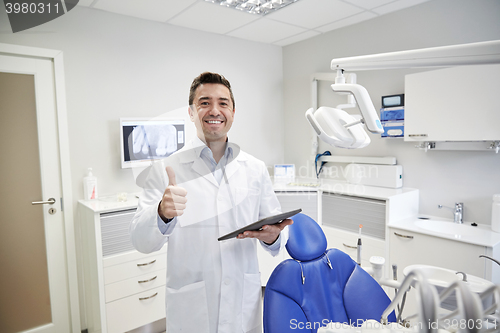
(259, 224)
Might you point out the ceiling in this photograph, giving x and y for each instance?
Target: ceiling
(298, 21)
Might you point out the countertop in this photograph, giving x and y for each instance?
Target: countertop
(337, 187)
(482, 235)
(110, 203)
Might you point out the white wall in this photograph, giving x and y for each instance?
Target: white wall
(443, 177)
(118, 66)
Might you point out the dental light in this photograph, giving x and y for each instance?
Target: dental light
(336, 127)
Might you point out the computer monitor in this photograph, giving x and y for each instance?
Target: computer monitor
(143, 140)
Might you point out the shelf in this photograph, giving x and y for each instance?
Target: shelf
(388, 160)
(487, 146)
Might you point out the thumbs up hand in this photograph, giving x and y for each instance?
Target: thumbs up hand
(174, 198)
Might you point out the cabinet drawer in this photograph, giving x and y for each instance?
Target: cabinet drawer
(135, 285)
(131, 312)
(134, 268)
(348, 212)
(347, 241)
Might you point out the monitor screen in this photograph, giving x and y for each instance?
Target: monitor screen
(144, 140)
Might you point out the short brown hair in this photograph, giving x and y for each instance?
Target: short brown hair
(209, 77)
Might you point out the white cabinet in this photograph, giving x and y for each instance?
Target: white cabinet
(347, 242)
(453, 104)
(342, 216)
(412, 248)
(374, 208)
(307, 200)
(124, 289)
(339, 208)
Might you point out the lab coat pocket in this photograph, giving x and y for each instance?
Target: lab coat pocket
(187, 309)
(252, 298)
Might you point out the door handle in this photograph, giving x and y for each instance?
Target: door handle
(51, 201)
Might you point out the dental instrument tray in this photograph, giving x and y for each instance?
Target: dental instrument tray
(275, 219)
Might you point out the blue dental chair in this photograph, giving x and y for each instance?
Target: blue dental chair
(319, 286)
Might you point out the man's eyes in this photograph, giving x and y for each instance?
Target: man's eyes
(207, 104)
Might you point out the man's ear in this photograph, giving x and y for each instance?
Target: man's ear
(191, 112)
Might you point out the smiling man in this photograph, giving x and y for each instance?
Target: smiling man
(206, 190)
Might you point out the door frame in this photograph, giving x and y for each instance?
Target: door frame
(67, 198)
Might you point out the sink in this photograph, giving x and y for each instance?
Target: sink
(450, 228)
(442, 278)
(477, 284)
(437, 276)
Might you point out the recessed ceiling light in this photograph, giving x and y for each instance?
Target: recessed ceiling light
(259, 7)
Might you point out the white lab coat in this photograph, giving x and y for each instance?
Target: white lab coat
(211, 286)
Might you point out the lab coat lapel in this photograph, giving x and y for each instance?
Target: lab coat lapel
(198, 166)
(234, 163)
(231, 168)
(201, 168)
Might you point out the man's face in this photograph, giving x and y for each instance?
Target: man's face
(212, 112)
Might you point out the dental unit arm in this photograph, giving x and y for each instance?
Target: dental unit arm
(469, 307)
(340, 129)
(368, 113)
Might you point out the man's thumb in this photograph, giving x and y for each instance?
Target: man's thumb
(171, 176)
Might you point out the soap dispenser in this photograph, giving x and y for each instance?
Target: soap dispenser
(90, 186)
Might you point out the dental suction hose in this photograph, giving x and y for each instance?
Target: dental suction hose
(426, 298)
(493, 311)
(469, 306)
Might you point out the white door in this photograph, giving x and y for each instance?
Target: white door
(33, 269)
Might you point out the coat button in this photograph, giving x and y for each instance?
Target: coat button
(227, 282)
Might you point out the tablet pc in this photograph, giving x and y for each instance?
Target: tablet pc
(260, 223)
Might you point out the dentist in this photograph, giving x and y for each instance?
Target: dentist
(204, 191)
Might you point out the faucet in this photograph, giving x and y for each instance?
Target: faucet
(458, 212)
(464, 276)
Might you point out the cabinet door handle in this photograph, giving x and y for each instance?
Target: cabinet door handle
(145, 298)
(144, 281)
(403, 236)
(148, 263)
(350, 246)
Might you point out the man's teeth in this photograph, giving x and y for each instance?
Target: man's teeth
(214, 122)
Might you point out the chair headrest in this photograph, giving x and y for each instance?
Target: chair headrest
(307, 240)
